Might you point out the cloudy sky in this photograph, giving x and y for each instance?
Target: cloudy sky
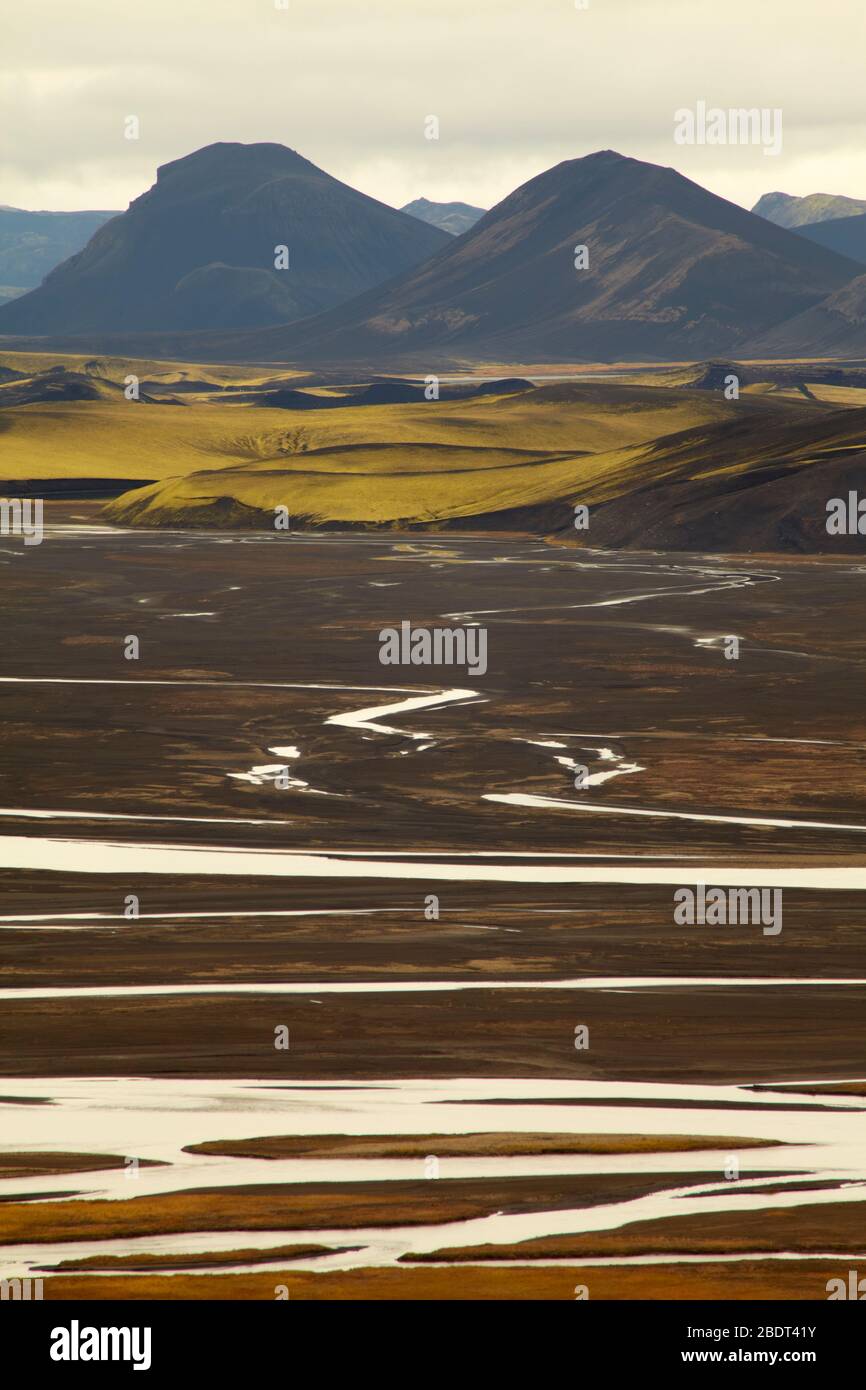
(517, 85)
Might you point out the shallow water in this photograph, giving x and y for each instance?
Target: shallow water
(157, 1119)
(701, 771)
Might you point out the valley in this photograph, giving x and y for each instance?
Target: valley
(501, 1048)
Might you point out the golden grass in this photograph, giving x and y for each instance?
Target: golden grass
(846, 396)
(746, 1279)
(136, 440)
(116, 368)
(209, 461)
(31, 1164)
(238, 1209)
(204, 1259)
(823, 1228)
(464, 1145)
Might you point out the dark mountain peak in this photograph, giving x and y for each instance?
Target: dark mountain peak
(232, 159)
(614, 193)
(581, 167)
(611, 158)
(602, 174)
(671, 270)
(198, 250)
(609, 162)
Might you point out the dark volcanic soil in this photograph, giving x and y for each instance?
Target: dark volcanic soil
(128, 786)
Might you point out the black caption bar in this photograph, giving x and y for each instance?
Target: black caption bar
(84, 1340)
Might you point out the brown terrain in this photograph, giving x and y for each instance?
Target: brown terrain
(417, 1036)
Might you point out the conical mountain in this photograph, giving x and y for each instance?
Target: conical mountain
(197, 251)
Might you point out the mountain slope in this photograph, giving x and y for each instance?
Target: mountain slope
(734, 488)
(197, 250)
(835, 327)
(786, 210)
(845, 235)
(33, 243)
(455, 218)
(673, 271)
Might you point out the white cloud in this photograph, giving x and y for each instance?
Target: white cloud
(517, 87)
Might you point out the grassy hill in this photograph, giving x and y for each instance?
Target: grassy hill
(110, 436)
(668, 490)
(662, 459)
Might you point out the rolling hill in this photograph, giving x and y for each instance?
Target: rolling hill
(757, 479)
(662, 458)
(197, 251)
(51, 432)
(515, 460)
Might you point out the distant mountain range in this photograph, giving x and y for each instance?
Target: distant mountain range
(33, 243)
(455, 218)
(787, 211)
(599, 258)
(198, 250)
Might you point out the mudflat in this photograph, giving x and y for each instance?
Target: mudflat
(307, 933)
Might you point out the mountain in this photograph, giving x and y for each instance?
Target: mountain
(455, 218)
(197, 251)
(787, 211)
(835, 327)
(674, 272)
(33, 243)
(846, 235)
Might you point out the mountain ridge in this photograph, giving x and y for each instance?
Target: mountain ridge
(788, 210)
(32, 243)
(845, 235)
(673, 271)
(455, 218)
(600, 258)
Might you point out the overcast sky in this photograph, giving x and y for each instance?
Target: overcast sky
(517, 85)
